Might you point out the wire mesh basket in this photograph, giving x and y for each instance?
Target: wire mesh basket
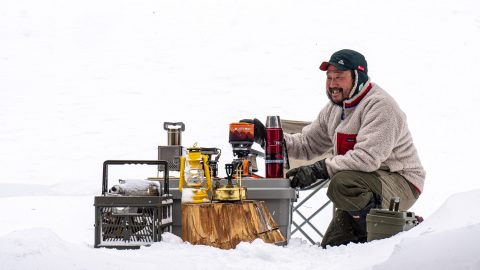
(132, 221)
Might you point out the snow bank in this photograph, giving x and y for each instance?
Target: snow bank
(451, 249)
(447, 240)
(41, 248)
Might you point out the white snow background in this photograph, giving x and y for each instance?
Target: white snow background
(86, 81)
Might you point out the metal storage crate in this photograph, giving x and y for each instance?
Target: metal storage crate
(277, 194)
(132, 221)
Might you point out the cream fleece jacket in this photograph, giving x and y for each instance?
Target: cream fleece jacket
(368, 133)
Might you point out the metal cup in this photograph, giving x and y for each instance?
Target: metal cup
(174, 134)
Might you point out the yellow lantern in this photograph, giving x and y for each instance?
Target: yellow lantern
(195, 175)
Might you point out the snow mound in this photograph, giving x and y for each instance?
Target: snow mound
(171, 238)
(41, 248)
(446, 240)
(454, 249)
(458, 211)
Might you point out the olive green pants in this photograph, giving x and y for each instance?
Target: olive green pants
(354, 191)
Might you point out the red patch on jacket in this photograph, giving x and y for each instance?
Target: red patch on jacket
(345, 142)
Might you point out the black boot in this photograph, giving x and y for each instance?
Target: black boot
(341, 230)
(360, 218)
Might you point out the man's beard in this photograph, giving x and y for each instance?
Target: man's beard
(329, 94)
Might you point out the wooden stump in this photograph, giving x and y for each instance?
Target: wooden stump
(224, 225)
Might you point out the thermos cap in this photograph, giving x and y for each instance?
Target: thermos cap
(273, 122)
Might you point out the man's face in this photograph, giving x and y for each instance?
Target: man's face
(339, 84)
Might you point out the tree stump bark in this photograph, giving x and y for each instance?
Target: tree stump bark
(224, 225)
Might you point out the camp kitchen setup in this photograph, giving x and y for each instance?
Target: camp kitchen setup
(203, 208)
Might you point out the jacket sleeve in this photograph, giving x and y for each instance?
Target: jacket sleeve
(313, 141)
(380, 129)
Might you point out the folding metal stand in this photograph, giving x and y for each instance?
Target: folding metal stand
(316, 187)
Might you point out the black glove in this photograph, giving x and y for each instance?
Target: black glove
(304, 176)
(258, 130)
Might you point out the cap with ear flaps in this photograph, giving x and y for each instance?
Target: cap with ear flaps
(346, 60)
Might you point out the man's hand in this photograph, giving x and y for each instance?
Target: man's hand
(258, 130)
(304, 176)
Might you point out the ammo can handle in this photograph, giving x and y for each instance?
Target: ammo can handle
(181, 124)
(166, 187)
(394, 204)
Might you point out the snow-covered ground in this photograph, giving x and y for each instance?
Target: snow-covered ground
(47, 232)
(86, 81)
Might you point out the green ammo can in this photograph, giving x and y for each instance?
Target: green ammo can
(383, 223)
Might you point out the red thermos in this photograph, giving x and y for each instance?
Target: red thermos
(273, 148)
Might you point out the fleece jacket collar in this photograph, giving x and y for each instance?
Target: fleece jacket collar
(351, 103)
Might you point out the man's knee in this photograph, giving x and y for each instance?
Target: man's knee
(352, 190)
(340, 182)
